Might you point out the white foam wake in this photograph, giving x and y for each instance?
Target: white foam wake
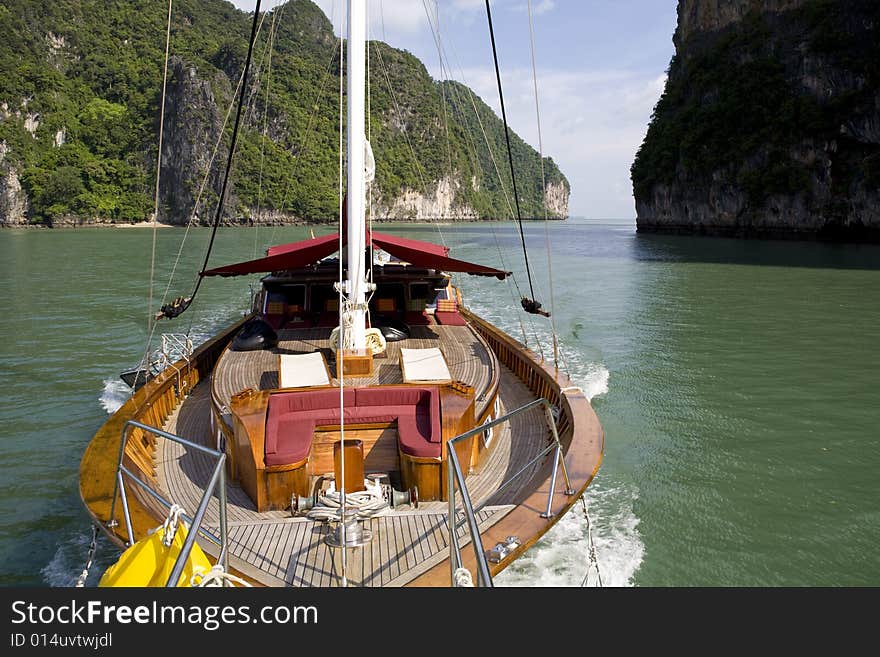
(70, 558)
(561, 557)
(595, 381)
(115, 393)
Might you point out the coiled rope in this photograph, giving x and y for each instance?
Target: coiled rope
(169, 527)
(216, 577)
(368, 503)
(462, 578)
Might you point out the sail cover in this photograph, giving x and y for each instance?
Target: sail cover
(307, 252)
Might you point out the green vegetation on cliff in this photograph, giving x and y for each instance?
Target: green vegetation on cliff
(749, 103)
(80, 87)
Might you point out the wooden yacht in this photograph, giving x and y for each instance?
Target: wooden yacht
(360, 427)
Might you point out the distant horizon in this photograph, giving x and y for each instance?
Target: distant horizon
(601, 68)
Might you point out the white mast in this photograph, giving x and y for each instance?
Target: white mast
(354, 337)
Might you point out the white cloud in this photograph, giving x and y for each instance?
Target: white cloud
(592, 123)
(538, 8)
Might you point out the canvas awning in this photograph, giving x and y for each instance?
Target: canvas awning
(302, 254)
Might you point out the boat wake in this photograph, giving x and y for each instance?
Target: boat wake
(69, 560)
(595, 380)
(114, 395)
(561, 557)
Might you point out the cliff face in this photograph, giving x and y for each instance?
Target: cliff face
(193, 125)
(13, 201)
(769, 124)
(695, 16)
(80, 88)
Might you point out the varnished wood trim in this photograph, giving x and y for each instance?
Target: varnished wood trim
(153, 402)
(583, 441)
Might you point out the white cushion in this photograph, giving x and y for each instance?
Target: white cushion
(303, 370)
(424, 365)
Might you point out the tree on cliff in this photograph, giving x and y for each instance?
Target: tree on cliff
(80, 84)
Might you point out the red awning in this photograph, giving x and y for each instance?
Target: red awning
(287, 256)
(307, 252)
(389, 242)
(413, 252)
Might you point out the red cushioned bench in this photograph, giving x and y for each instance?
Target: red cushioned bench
(292, 417)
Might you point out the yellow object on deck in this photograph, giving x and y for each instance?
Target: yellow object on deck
(149, 563)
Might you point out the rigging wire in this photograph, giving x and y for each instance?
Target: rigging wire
(270, 47)
(179, 305)
(412, 151)
(150, 325)
(340, 356)
(306, 135)
(543, 188)
(511, 280)
(530, 305)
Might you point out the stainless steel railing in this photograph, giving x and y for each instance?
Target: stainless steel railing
(455, 475)
(217, 482)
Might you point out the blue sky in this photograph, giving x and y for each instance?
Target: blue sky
(601, 67)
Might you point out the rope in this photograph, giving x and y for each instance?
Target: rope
(93, 547)
(225, 185)
(462, 578)
(412, 151)
(216, 577)
(169, 527)
(150, 327)
(511, 280)
(593, 563)
(543, 189)
(340, 355)
(510, 156)
(369, 503)
(270, 46)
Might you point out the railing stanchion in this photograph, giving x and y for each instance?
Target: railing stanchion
(549, 512)
(455, 474)
(218, 478)
(125, 512)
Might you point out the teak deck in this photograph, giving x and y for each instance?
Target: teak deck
(469, 359)
(275, 549)
(409, 546)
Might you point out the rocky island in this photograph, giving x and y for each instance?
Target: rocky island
(80, 91)
(769, 125)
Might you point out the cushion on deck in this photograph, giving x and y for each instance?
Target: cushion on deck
(416, 318)
(292, 418)
(449, 319)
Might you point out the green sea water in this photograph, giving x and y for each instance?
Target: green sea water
(738, 383)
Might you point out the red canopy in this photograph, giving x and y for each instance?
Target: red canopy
(288, 256)
(304, 253)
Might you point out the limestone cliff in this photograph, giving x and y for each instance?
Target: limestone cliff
(13, 201)
(769, 124)
(80, 91)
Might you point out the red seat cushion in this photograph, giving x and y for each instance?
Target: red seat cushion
(294, 441)
(396, 396)
(292, 418)
(412, 437)
(416, 318)
(449, 319)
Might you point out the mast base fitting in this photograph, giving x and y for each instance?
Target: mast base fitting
(355, 534)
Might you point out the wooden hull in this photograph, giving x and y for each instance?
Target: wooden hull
(578, 425)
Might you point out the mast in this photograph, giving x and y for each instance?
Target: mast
(356, 285)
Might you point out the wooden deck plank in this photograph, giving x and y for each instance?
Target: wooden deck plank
(468, 358)
(406, 543)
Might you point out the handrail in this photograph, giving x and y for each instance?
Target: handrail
(455, 475)
(217, 481)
